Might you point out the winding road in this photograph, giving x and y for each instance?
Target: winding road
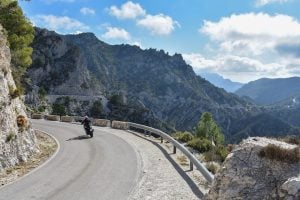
(103, 167)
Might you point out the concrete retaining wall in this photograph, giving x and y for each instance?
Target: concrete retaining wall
(67, 119)
(36, 116)
(120, 125)
(52, 117)
(101, 122)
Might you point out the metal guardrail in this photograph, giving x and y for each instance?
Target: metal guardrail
(193, 160)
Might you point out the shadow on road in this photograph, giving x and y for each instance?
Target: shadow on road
(182, 173)
(81, 137)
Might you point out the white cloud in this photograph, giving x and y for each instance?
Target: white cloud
(128, 10)
(252, 32)
(116, 33)
(265, 2)
(242, 69)
(158, 24)
(61, 24)
(87, 11)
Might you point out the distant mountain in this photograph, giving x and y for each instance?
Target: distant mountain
(269, 91)
(221, 82)
(263, 124)
(123, 82)
(287, 110)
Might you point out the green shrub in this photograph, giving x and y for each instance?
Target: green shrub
(201, 145)
(96, 109)
(10, 137)
(217, 153)
(116, 100)
(58, 109)
(20, 34)
(183, 136)
(14, 92)
(278, 153)
(222, 152)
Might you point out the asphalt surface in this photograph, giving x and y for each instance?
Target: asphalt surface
(102, 167)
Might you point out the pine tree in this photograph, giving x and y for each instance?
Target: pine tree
(209, 129)
(20, 34)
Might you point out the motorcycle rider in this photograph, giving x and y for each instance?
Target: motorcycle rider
(87, 125)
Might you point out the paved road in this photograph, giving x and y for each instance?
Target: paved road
(104, 167)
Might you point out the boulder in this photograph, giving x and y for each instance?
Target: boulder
(246, 174)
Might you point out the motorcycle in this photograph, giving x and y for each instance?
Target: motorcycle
(89, 131)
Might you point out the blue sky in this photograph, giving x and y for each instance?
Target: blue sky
(239, 39)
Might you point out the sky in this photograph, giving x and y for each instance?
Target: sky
(242, 40)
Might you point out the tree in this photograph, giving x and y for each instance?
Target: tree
(116, 100)
(58, 109)
(96, 109)
(20, 34)
(209, 129)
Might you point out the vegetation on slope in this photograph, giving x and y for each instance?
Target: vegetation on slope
(20, 34)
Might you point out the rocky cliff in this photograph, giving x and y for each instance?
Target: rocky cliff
(259, 168)
(17, 139)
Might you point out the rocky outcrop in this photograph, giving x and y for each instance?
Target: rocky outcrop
(247, 175)
(17, 138)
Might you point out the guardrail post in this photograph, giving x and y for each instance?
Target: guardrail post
(161, 140)
(193, 160)
(191, 166)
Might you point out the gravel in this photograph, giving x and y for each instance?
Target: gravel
(164, 175)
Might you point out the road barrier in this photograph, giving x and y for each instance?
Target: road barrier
(120, 125)
(164, 136)
(101, 122)
(37, 116)
(52, 117)
(67, 119)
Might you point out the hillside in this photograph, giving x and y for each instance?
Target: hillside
(269, 91)
(144, 86)
(219, 81)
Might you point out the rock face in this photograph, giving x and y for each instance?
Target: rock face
(246, 175)
(17, 139)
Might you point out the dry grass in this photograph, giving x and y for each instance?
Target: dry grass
(213, 168)
(182, 160)
(278, 153)
(292, 139)
(21, 121)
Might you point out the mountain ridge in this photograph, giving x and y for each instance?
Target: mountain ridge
(267, 91)
(149, 86)
(220, 81)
